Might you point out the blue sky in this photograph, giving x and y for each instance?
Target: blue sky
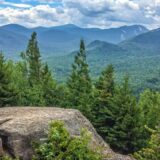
(84, 13)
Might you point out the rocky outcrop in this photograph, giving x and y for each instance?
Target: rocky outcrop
(20, 126)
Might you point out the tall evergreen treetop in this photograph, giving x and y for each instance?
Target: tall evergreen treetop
(79, 83)
(104, 90)
(32, 56)
(106, 80)
(41, 85)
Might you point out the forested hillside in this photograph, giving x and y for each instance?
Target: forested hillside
(51, 39)
(129, 124)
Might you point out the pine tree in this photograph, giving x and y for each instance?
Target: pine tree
(79, 83)
(7, 93)
(125, 129)
(103, 93)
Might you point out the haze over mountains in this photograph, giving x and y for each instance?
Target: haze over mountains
(138, 56)
(61, 40)
(131, 49)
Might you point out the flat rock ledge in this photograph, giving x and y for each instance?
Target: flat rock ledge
(20, 126)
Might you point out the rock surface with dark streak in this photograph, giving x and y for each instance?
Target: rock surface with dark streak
(20, 126)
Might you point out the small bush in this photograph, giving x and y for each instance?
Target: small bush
(60, 146)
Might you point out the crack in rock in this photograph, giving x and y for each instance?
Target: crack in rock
(4, 121)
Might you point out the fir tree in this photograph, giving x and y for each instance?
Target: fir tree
(7, 93)
(103, 93)
(79, 83)
(152, 151)
(33, 61)
(125, 129)
(41, 85)
(149, 103)
(48, 86)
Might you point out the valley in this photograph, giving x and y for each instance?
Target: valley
(133, 50)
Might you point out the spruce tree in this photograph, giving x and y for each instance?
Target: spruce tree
(149, 102)
(79, 83)
(32, 57)
(104, 90)
(152, 151)
(125, 129)
(48, 86)
(40, 90)
(7, 93)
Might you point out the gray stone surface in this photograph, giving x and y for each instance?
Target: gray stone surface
(20, 126)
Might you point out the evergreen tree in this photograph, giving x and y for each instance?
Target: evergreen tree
(152, 151)
(149, 103)
(79, 83)
(7, 93)
(40, 89)
(124, 130)
(48, 86)
(33, 61)
(103, 93)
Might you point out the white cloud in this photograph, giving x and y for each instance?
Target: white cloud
(41, 15)
(85, 13)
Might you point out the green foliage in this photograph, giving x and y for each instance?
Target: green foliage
(33, 62)
(113, 109)
(79, 83)
(60, 146)
(104, 90)
(35, 84)
(48, 86)
(7, 92)
(124, 127)
(143, 67)
(149, 103)
(152, 152)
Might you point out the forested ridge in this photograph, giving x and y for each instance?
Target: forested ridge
(129, 124)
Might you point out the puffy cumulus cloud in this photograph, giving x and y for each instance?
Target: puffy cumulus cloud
(101, 6)
(41, 15)
(151, 11)
(127, 3)
(85, 13)
(117, 12)
(107, 13)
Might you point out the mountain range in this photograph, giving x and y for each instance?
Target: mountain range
(61, 40)
(138, 56)
(133, 50)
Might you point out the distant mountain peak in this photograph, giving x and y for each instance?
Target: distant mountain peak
(96, 43)
(51, 39)
(13, 25)
(103, 45)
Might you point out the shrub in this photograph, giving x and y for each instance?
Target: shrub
(61, 146)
